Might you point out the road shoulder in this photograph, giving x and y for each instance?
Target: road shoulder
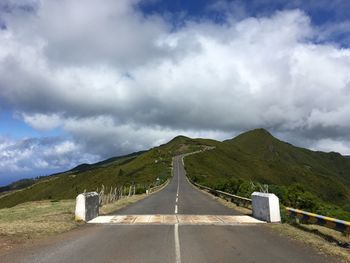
(314, 241)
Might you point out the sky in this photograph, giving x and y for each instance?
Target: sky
(84, 80)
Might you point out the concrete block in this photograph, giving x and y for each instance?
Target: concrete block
(87, 206)
(266, 207)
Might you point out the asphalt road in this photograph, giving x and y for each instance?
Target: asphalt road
(172, 243)
(190, 201)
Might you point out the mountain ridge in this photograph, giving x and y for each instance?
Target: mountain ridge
(257, 156)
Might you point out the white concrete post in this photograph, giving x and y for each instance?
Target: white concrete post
(266, 207)
(87, 206)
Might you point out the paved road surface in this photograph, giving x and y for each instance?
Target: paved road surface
(172, 243)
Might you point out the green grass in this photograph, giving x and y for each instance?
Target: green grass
(36, 219)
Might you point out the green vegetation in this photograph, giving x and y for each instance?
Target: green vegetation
(141, 168)
(23, 183)
(315, 181)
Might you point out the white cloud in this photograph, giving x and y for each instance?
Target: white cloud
(113, 31)
(43, 122)
(39, 156)
(332, 145)
(104, 137)
(118, 81)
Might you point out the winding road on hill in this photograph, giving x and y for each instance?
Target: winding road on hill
(174, 241)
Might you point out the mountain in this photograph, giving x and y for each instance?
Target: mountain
(257, 156)
(141, 168)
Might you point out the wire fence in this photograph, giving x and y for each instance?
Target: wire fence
(111, 194)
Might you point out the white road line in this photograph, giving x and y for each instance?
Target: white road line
(177, 244)
(178, 185)
(178, 177)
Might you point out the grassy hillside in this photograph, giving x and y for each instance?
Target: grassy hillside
(23, 183)
(302, 178)
(141, 168)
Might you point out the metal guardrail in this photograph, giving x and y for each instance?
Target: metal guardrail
(238, 200)
(300, 215)
(329, 222)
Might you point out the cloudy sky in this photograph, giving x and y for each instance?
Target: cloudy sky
(85, 80)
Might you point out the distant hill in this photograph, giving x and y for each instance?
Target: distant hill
(17, 185)
(141, 168)
(23, 183)
(85, 166)
(257, 156)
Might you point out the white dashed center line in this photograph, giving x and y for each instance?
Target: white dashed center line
(178, 186)
(177, 244)
(176, 230)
